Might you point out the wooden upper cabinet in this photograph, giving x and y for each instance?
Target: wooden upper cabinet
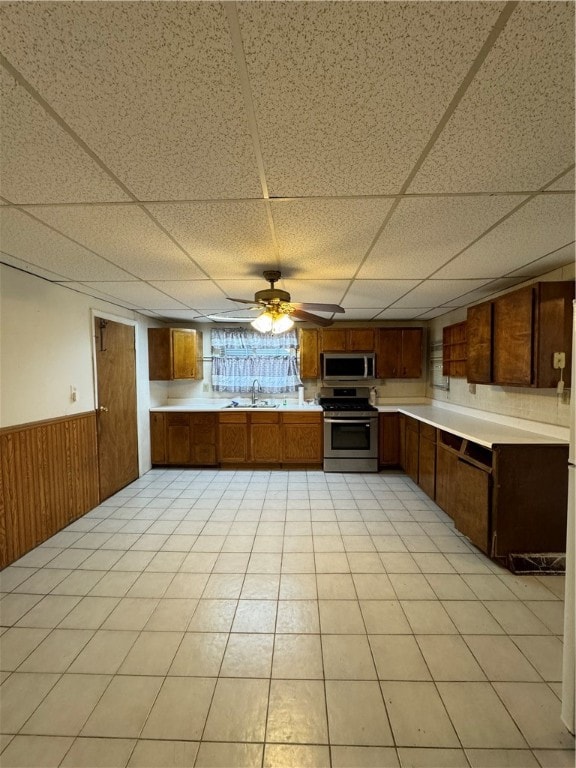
(174, 353)
(348, 339)
(479, 344)
(512, 340)
(309, 353)
(454, 350)
(513, 323)
(399, 353)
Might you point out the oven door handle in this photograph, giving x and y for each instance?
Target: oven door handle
(347, 421)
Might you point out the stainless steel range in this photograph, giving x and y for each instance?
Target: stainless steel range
(350, 430)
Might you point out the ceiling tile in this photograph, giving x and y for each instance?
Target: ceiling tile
(543, 224)
(6, 258)
(125, 235)
(195, 294)
(445, 226)
(358, 313)
(89, 289)
(431, 313)
(326, 238)
(514, 128)
(137, 294)
(376, 293)
(558, 258)
(323, 291)
(153, 88)
(395, 313)
(218, 234)
(27, 239)
(479, 294)
(434, 292)
(41, 163)
(343, 102)
(181, 315)
(566, 182)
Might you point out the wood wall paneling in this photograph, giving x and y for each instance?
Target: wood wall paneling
(48, 478)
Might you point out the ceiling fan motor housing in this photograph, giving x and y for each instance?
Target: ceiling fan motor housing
(272, 295)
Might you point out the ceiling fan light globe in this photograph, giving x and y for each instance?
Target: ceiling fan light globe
(282, 323)
(263, 323)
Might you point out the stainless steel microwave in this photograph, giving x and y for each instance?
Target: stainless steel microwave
(348, 366)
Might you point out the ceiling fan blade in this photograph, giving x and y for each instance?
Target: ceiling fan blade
(299, 314)
(256, 304)
(317, 307)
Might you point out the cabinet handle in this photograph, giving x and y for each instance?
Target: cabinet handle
(103, 409)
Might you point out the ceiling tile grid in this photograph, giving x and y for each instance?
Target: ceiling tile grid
(376, 293)
(137, 294)
(343, 101)
(424, 233)
(432, 293)
(514, 128)
(543, 224)
(151, 87)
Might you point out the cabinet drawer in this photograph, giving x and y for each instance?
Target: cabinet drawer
(428, 431)
(234, 418)
(265, 417)
(302, 418)
(178, 419)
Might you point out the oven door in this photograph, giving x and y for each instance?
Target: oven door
(350, 437)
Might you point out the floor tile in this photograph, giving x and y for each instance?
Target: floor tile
(180, 709)
(151, 654)
(335, 586)
(479, 716)
(384, 617)
(104, 653)
(17, 643)
(472, 618)
(98, 753)
(551, 614)
(163, 754)
(347, 657)
(255, 616)
(124, 707)
(417, 715)
(172, 614)
(555, 758)
(21, 693)
(543, 652)
(536, 710)
(35, 751)
(298, 616)
(364, 757)
(248, 655)
(55, 716)
(260, 587)
(89, 613)
(297, 656)
(428, 617)
(298, 586)
(448, 658)
(411, 586)
(219, 755)
(356, 714)
(501, 758)
(341, 617)
(213, 616)
(515, 618)
(131, 613)
(57, 651)
(49, 612)
(187, 585)
(418, 757)
(200, 655)
(291, 755)
(373, 586)
(501, 659)
(528, 587)
(398, 657)
(297, 712)
(229, 722)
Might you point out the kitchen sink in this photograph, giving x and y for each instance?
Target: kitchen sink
(261, 406)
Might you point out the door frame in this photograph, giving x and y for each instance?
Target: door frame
(98, 314)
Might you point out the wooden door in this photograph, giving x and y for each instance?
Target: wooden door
(411, 353)
(479, 344)
(513, 338)
(116, 407)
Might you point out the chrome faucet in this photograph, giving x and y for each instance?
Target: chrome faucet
(255, 390)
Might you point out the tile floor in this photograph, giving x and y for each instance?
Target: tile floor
(219, 618)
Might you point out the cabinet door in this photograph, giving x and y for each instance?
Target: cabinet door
(302, 438)
(360, 340)
(388, 440)
(427, 465)
(233, 438)
(388, 356)
(333, 339)
(513, 337)
(158, 438)
(411, 353)
(184, 354)
(402, 441)
(412, 448)
(266, 443)
(309, 354)
(178, 446)
(473, 504)
(446, 471)
(203, 427)
(479, 344)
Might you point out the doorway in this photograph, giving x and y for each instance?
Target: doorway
(116, 410)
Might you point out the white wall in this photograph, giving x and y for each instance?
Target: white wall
(46, 346)
(542, 405)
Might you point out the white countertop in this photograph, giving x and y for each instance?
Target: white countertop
(479, 430)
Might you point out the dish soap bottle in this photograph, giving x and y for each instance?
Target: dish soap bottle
(373, 396)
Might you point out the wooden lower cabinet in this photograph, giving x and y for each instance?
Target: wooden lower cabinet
(388, 440)
(183, 439)
(302, 438)
(265, 438)
(412, 448)
(446, 470)
(427, 460)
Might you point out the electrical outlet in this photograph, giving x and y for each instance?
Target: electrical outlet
(559, 360)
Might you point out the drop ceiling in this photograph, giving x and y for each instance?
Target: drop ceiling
(399, 159)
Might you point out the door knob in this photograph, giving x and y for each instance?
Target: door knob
(103, 409)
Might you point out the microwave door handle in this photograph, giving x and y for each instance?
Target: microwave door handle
(365, 366)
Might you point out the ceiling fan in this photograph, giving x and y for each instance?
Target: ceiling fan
(279, 309)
